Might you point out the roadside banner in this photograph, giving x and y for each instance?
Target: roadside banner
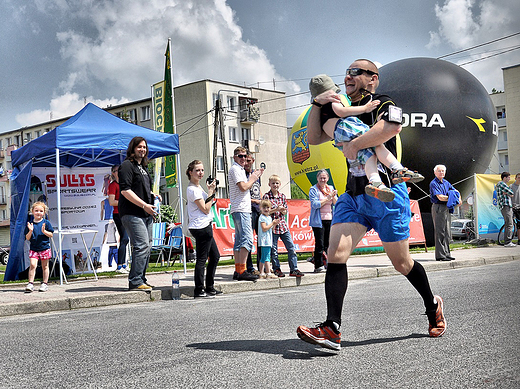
(84, 206)
(169, 127)
(298, 220)
(489, 219)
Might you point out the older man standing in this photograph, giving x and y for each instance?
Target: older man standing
(439, 195)
(240, 207)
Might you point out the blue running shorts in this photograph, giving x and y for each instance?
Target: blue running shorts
(390, 220)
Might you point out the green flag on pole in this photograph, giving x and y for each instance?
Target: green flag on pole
(170, 171)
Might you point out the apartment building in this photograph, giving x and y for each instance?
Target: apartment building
(507, 104)
(252, 117)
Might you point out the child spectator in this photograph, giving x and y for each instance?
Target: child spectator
(38, 233)
(340, 123)
(265, 238)
(278, 210)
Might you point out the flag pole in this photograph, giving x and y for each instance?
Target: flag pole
(178, 163)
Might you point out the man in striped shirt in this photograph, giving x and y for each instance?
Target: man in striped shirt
(504, 195)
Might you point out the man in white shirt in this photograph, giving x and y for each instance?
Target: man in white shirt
(240, 208)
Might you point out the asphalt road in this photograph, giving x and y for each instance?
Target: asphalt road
(249, 339)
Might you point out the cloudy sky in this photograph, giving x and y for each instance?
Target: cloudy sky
(56, 54)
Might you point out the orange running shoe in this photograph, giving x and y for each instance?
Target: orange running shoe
(440, 322)
(322, 335)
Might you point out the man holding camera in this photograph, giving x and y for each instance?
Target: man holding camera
(240, 208)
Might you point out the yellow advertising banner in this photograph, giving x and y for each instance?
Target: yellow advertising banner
(489, 219)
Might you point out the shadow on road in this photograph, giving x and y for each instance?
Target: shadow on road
(290, 348)
(382, 340)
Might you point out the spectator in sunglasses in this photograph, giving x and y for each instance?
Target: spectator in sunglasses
(240, 207)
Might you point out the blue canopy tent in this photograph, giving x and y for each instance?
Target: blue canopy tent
(91, 138)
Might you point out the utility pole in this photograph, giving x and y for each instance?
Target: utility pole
(218, 129)
(218, 132)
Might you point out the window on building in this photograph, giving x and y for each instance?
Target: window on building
(8, 141)
(506, 159)
(145, 113)
(132, 116)
(28, 137)
(233, 136)
(504, 135)
(38, 133)
(1, 144)
(246, 133)
(215, 98)
(17, 140)
(222, 193)
(232, 103)
(220, 164)
(4, 214)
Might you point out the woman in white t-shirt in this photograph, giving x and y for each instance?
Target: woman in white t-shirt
(200, 226)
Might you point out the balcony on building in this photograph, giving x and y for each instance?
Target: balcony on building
(10, 149)
(249, 113)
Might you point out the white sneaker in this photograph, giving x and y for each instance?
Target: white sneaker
(43, 287)
(29, 288)
(121, 271)
(510, 244)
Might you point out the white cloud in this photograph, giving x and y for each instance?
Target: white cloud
(467, 23)
(62, 106)
(117, 46)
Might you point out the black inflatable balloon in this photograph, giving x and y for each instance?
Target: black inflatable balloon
(449, 118)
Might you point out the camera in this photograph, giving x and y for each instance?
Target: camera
(210, 179)
(262, 165)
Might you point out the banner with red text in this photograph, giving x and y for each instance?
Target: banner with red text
(84, 205)
(298, 221)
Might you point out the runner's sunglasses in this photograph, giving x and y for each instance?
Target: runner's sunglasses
(358, 71)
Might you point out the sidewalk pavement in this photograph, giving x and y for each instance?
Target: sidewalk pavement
(105, 291)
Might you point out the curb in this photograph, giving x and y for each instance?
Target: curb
(165, 293)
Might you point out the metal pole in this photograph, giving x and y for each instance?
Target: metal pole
(223, 139)
(178, 163)
(58, 197)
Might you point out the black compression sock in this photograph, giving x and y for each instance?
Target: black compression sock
(336, 282)
(419, 280)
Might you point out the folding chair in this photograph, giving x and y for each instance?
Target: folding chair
(174, 245)
(158, 240)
